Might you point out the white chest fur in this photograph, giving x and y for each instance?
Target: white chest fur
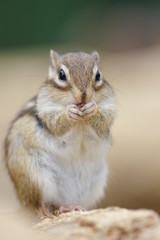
(72, 169)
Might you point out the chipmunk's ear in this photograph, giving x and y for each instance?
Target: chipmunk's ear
(54, 59)
(96, 57)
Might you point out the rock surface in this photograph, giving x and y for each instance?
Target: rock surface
(110, 223)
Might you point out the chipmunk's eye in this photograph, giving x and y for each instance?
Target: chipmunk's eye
(98, 76)
(62, 75)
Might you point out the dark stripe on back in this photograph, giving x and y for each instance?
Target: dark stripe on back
(39, 121)
(32, 111)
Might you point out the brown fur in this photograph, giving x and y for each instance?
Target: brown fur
(28, 193)
(81, 65)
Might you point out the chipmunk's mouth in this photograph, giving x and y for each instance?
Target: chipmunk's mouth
(79, 105)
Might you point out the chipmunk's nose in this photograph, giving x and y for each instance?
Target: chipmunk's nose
(83, 97)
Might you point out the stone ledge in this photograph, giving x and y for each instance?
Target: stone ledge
(111, 223)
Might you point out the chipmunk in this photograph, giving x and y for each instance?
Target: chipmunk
(56, 148)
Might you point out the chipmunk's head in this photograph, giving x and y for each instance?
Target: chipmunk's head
(76, 76)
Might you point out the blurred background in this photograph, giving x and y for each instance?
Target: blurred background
(127, 36)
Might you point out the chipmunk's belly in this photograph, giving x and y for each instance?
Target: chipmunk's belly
(76, 172)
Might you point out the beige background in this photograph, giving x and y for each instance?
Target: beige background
(135, 157)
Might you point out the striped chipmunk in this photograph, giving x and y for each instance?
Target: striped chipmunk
(57, 146)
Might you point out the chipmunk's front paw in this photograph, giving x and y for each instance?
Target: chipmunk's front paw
(89, 109)
(74, 113)
(69, 209)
